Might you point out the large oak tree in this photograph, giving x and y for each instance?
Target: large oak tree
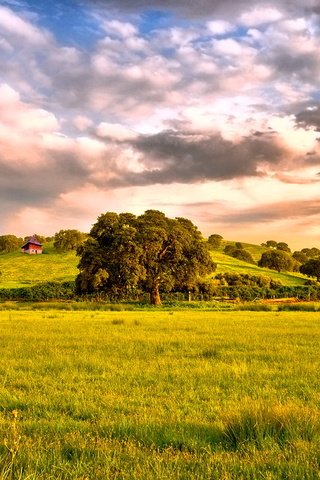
(149, 251)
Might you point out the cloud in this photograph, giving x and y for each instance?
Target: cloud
(260, 15)
(296, 180)
(276, 211)
(171, 157)
(37, 162)
(114, 131)
(21, 30)
(204, 94)
(217, 8)
(310, 117)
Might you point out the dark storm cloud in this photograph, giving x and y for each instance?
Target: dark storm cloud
(291, 65)
(170, 157)
(38, 184)
(202, 8)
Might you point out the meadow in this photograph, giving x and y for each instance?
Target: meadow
(159, 395)
(21, 270)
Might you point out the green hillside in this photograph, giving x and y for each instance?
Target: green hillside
(226, 263)
(20, 270)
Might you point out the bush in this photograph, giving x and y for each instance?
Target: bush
(231, 279)
(255, 307)
(243, 255)
(215, 240)
(40, 292)
(299, 307)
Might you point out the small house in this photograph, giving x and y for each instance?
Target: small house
(32, 246)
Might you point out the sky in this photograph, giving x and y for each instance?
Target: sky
(208, 110)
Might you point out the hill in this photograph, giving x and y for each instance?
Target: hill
(225, 263)
(20, 270)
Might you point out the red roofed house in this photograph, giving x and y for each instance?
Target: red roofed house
(32, 246)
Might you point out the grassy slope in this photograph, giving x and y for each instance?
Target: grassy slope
(159, 395)
(20, 270)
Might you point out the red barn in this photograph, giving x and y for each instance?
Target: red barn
(32, 246)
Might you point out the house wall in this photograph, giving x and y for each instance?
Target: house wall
(32, 249)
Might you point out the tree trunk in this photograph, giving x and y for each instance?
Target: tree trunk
(155, 295)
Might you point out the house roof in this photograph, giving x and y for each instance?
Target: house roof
(32, 240)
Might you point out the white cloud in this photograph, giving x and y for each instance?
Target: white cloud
(82, 122)
(219, 27)
(17, 27)
(260, 15)
(22, 127)
(115, 131)
(121, 29)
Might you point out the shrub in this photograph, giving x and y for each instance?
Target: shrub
(255, 307)
(40, 292)
(243, 255)
(215, 240)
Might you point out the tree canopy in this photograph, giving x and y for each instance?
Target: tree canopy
(313, 252)
(277, 260)
(311, 268)
(300, 257)
(40, 238)
(283, 247)
(9, 243)
(237, 251)
(270, 244)
(66, 240)
(151, 252)
(215, 240)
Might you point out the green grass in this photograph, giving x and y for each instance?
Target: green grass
(159, 395)
(21, 270)
(255, 250)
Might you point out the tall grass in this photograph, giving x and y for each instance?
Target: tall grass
(159, 395)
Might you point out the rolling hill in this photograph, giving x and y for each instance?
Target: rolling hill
(225, 263)
(20, 270)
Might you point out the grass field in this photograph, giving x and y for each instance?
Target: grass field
(21, 270)
(159, 395)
